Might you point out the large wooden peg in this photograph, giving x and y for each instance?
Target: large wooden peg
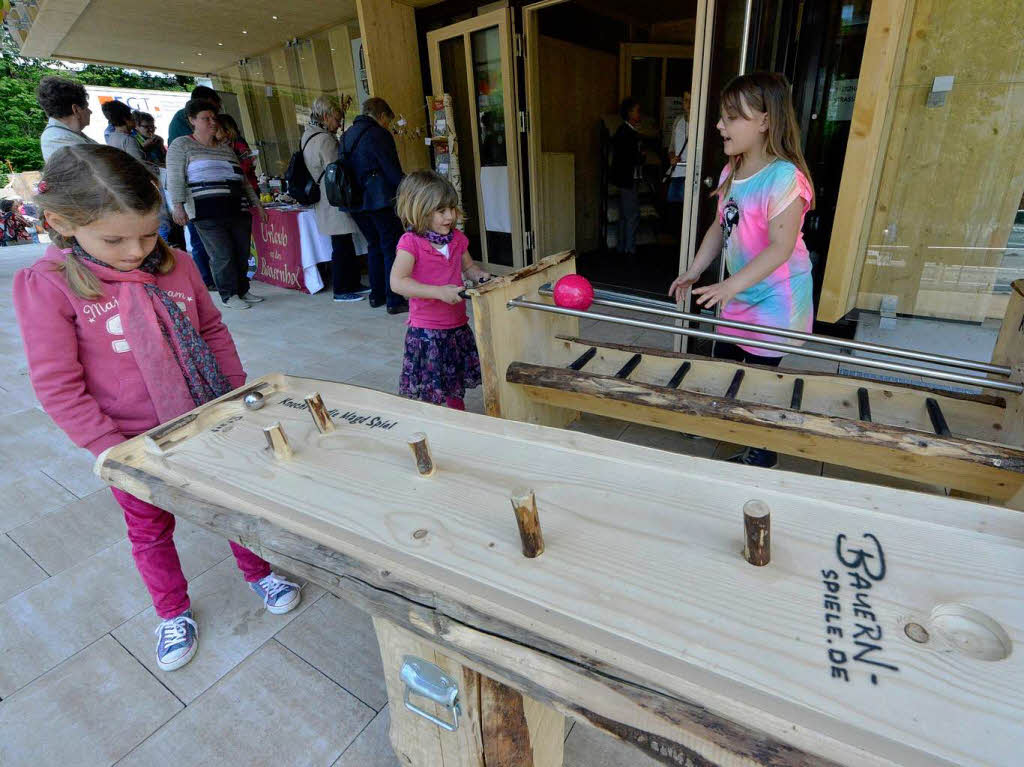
(525, 505)
(277, 441)
(757, 524)
(318, 410)
(421, 452)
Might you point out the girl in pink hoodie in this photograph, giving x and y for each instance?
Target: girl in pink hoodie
(121, 336)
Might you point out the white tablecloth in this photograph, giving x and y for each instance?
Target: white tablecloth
(316, 249)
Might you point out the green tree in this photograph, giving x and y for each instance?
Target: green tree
(23, 120)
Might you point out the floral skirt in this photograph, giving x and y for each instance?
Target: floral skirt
(439, 364)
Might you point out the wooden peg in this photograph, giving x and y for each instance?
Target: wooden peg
(318, 410)
(152, 446)
(421, 452)
(757, 522)
(277, 441)
(525, 506)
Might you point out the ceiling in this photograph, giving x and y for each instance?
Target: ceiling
(175, 35)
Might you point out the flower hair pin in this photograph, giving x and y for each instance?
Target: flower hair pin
(43, 187)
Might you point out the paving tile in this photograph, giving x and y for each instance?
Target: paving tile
(91, 710)
(63, 538)
(24, 497)
(382, 378)
(51, 621)
(340, 641)
(666, 439)
(30, 440)
(373, 747)
(74, 472)
(598, 425)
(20, 572)
(273, 709)
(589, 747)
(233, 624)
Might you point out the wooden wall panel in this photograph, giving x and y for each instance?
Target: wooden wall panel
(392, 50)
(952, 175)
(572, 105)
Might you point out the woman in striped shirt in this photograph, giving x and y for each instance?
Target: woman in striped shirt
(206, 185)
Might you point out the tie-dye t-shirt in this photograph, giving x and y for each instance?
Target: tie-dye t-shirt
(783, 299)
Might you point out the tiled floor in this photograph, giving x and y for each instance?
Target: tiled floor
(78, 681)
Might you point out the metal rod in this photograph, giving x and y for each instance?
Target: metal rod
(679, 375)
(648, 306)
(583, 359)
(985, 383)
(734, 385)
(798, 394)
(938, 420)
(863, 405)
(630, 366)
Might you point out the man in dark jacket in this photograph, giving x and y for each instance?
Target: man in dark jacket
(373, 158)
(627, 159)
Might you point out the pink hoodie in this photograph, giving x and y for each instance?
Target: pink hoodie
(81, 366)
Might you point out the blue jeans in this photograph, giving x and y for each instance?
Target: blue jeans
(381, 228)
(629, 220)
(199, 254)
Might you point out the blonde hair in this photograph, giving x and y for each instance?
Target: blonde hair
(420, 194)
(767, 92)
(82, 183)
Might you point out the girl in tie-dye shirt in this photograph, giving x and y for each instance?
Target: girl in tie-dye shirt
(763, 194)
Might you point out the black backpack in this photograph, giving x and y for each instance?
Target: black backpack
(298, 182)
(344, 190)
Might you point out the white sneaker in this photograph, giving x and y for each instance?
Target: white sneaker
(279, 596)
(177, 640)
(235, 303)
(252, 298)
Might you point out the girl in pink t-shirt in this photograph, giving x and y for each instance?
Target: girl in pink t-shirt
(121, 335)
(763, 194)
(441, 359)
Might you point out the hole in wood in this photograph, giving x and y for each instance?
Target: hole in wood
(916, 632)
(420, 534)
(971, 632)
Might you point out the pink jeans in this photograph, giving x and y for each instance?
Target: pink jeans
(151, 531)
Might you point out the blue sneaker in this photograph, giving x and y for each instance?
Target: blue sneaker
(279, 596)
(756, 456)
(177, 641)
(344, 298)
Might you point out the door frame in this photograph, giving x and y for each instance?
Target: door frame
(501, 19)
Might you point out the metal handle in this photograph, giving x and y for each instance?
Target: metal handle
(709, 181)
(429, 681)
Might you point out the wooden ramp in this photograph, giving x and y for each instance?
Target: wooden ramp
(916, 433)
(885, 630)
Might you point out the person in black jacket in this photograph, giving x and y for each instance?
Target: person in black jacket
(373, 157)
(627, 161)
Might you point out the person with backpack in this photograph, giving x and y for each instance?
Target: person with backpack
(371, 157)
(319, 149)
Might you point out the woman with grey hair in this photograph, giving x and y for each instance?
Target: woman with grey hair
(320, 149)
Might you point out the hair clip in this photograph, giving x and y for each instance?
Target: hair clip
(43, 187)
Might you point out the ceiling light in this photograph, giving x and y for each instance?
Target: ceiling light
(245, 32)
(274, 18)
(220, 43)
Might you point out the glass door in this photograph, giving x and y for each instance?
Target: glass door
(471, 61)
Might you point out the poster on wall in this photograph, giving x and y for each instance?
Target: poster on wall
(359, 67)
(443, 142)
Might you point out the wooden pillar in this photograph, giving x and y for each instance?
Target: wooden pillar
(498, 727)
(507, 335)
(1009, 351)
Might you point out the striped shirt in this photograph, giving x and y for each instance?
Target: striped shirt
(208, 181)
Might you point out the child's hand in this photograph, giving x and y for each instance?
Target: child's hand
(681, 284)
(449, 294)
(477, 275)
(719, 293)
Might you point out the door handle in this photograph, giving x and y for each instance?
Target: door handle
(709, 181)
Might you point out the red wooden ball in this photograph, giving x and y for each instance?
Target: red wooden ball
(574, 292)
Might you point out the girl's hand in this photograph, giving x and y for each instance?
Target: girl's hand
(179, 215)
(449, 294)
(476, 274)
(681, 284)
(719, 293)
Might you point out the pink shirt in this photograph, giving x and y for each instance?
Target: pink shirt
(82, 368)
(432, 267)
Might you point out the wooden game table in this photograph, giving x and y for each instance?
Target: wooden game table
(885, 628)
